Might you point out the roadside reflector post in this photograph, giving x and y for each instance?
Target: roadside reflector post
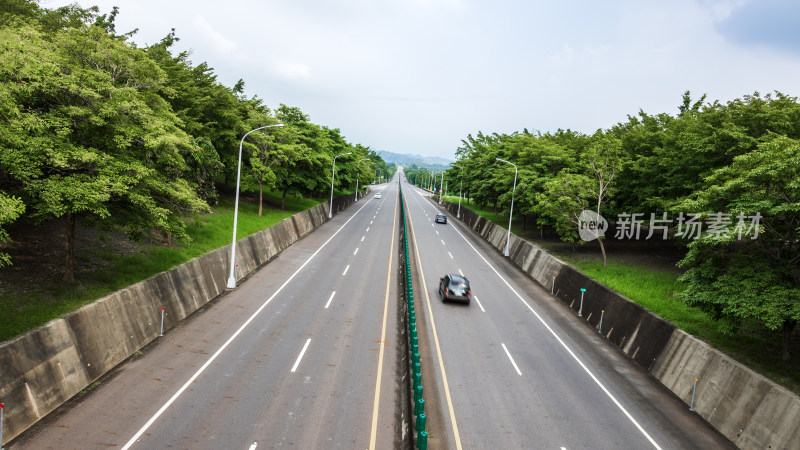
(417, 393)
(552, 285)
(694, 388)
(419, 407)
(162, 321)
(1, 426)
(580, 310)
(600, 330)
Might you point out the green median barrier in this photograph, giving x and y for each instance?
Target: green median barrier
(422, 440)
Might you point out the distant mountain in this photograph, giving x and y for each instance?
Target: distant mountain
(406, 160)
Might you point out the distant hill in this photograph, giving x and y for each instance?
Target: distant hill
(406, 160)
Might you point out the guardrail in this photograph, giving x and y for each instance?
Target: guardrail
(413, 340)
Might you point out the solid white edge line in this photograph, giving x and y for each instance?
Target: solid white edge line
(479, 302)
(563, 344)
(233, 336)
(345, 270)
(512, 359)
(300, 356)
(329, 300)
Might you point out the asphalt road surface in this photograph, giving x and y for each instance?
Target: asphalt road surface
(303, 355)
(300, 355)
(516, 369)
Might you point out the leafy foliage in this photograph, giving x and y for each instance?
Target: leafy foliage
(128, 138)
(731, 161)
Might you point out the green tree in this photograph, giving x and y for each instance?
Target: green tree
(566, 196)
(747, 267)
(11, 208)
(84, 132)
(208, 111)
(312, 158)
(273, 153)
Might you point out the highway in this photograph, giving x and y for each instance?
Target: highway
(301, 355)
(516, 369)
(304, 354)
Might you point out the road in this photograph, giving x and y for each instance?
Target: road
(300, 355)
(516, 369)
(303, 354)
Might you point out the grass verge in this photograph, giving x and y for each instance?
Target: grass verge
(27, 307)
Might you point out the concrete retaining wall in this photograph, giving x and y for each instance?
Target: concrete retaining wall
(45, 367)
(752, 411)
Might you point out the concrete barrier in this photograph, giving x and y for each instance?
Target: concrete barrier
(746, 407)
(47, 366)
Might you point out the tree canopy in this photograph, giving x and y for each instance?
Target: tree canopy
(130, 138)
(726, 168)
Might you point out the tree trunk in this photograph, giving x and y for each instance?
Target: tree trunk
(260, 198)
(602, 250)
(283, 200)
(69, 263)
(788, 326)
(523, 221)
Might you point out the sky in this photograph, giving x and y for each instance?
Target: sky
(418, 76)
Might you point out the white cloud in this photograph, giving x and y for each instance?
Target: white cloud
(419, 75)
(214, 37)
(291, 70)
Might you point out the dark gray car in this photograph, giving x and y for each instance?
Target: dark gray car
(454, 287)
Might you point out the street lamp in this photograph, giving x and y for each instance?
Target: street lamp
(359, 162)
(333, 175)
(460, 188)
(441, 187)
(511, 212)
(232, 278)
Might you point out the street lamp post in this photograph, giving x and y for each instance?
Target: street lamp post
(460, 188)
(441, 189)
(511, 212)
(359, 162)
(333, 175)
(232, 277)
